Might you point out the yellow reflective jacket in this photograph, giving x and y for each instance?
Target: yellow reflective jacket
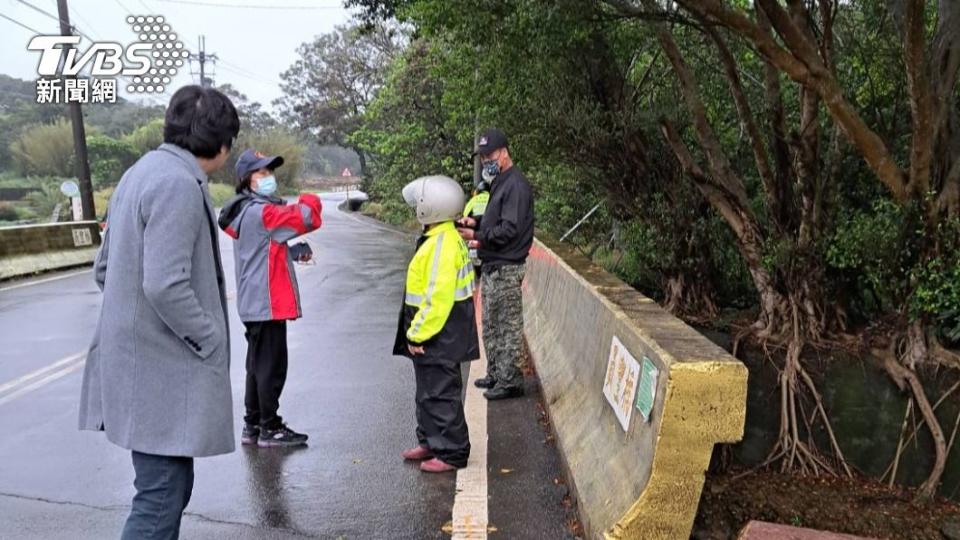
(438, 310)
(477, 204)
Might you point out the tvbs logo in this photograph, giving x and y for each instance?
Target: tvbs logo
(108, 59)
(146, 65)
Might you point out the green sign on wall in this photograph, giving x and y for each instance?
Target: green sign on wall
(647, 389)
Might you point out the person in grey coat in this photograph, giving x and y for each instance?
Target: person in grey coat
(157, 377)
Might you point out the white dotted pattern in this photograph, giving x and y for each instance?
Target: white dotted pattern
(167, 55)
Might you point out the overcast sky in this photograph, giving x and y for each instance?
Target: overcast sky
(254, 44)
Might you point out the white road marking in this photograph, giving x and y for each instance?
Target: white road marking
(47, 280)
(68, 365)
(42, 371)
(470, 515)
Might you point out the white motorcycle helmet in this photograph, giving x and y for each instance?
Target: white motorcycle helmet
(435, 198)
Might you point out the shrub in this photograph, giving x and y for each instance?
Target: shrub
(221, 193)
(109, 159)
(8, 212)
(45, 150)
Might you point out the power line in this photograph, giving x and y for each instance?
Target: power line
(73, 27)
(87, 24)
(251, 77)
(123, 7)
(20, 24)
(145, 6)
(238, 70)
(245, 6)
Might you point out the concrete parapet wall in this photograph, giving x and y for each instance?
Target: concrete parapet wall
(29, 249)
(645, 481)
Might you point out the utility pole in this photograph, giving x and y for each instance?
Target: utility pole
(202, 58)
(79, 134)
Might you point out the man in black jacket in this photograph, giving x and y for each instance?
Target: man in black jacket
(502, 237)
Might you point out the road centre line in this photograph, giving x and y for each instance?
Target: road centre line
(47, 280)
(23, 385)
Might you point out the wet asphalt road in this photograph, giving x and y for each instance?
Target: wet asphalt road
(343, 388)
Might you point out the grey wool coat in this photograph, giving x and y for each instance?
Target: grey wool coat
(157, 377)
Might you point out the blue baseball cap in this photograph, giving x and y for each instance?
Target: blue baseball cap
(250, 161)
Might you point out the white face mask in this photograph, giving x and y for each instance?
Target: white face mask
(267, 185)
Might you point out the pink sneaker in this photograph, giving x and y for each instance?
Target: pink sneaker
(436, 466)
(417, 453)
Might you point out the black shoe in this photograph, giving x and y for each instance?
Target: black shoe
(250, 434)
(282, 436)
(485, 382)
(501, 392)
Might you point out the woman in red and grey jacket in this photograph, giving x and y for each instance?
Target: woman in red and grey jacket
(267, 294)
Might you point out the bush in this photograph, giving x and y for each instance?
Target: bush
(101, 201)
(44, 201)
(146, 137)
(109, 159)
(221, 193)
(8, 212)
(45, 150)
(25, 213)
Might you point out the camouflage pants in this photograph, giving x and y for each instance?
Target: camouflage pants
(503, 323)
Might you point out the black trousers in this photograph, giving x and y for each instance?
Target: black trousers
(441, 425)
(266, 372)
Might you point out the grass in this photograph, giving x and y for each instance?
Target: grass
(397, 216)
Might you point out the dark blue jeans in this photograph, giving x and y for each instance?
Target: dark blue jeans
(164, 485)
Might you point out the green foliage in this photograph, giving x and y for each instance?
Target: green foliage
(582, 94)
(221, 193)
(871, 249)
(937, 284)
(101, 201)
(409, 142)
(44, 201)
(327, 90)
(146, 137)
(109, 159)
(45, 150)
(8, 212)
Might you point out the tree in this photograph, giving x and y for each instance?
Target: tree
(109, 159)
(805, 151)
(337, 76)
(252, 116)
(146, 137)
(45, 150)
(797, 41)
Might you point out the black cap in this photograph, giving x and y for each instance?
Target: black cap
(490, 140)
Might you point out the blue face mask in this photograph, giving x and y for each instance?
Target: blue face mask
(490, 170)
(267, 185)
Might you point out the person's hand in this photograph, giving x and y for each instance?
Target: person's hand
(415, 350)
(473, 244)
(467, 234)
(467, 222)
(306, 257)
